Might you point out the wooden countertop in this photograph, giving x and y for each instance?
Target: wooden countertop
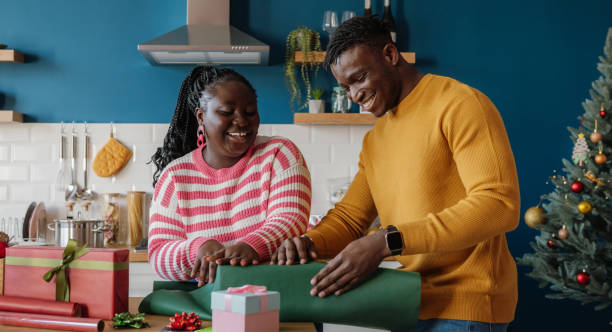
(158, 322)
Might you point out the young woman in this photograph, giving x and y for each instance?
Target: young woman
(223, 195)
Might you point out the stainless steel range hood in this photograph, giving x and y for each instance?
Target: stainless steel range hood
(207, 38)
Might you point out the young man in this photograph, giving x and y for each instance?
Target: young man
(438, 169)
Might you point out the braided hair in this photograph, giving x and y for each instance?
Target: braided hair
(368, 30)
(182, 132)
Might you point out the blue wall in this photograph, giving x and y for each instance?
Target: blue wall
(534, 59)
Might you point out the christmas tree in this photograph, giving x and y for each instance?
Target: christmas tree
(573, 253)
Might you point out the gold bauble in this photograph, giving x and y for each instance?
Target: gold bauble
(535, 216)
(600, 159)
(584, 207)
(596, 137)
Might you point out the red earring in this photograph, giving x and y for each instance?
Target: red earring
(200, 135)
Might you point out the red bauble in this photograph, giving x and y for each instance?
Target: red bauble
(551, 244)
(577, 186)
(583, 278)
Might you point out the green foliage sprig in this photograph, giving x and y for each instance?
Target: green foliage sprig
(126, 320)
(317, 93)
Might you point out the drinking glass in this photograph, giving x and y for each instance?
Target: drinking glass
(347, 15)
(330, 21)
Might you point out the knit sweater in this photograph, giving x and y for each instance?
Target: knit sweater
(261, 200)
(439, 167)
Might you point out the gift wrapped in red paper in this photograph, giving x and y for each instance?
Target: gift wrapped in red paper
(98, 280)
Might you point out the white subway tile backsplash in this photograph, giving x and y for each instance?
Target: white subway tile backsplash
(330, 151)
(297, 134)
(30, 192)
(159, 133)
(3, 193)
(5, 152)
(44, 173)
(14, 133)
(345, 153)
(32, 152)
(330, 134)
(320, 173)
(358, 132)
(316, 153)
(13, 209)
(45, 132)
(14, 173)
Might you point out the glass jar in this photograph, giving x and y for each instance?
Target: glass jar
(340, 101)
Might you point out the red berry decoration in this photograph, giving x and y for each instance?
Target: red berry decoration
(577, 186)
(184, 321)
(583, 278)
(551, 244)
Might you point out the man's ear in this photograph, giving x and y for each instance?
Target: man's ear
(391, 54)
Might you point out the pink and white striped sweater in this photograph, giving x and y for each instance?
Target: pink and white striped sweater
(261, 200)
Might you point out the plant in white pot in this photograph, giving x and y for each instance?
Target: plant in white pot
(316, 104)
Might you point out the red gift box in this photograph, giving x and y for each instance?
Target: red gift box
(98, 280)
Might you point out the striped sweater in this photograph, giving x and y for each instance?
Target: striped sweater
(261, 200)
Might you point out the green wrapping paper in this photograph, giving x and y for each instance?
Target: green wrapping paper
(389, 300)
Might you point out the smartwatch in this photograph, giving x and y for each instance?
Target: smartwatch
(394, 239)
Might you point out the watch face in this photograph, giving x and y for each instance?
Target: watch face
(394, 241)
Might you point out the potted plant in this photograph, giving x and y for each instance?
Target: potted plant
(308, 41)
(316, 104)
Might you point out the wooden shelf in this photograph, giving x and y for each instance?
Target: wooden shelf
(11, 56)
(11, 117)
(410, 57)
(333, 118)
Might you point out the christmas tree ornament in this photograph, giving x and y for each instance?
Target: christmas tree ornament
(602, 111)
(589, 175)
(551, 244)
(584, 207)
(583, 278)
(577, 186)
(535, 216)
(581, 149)
(563, 233)
(600, 159)
(596, 136)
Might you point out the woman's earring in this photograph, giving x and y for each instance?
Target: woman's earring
(200, 135)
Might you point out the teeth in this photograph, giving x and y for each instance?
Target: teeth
(237, 134)
(368, 103)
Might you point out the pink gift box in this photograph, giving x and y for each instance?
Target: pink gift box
(245, 309)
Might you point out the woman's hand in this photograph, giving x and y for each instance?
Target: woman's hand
(239, 253)
(205, 270)
(293, 249)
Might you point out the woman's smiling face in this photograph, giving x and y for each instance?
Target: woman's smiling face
(230, 120)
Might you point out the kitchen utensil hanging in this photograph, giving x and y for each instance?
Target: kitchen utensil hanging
(87, 193)
(73, 188)
(60, 183)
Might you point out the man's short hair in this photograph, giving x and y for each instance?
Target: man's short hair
(367, 30)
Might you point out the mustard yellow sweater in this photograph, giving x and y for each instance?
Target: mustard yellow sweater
(440, 168)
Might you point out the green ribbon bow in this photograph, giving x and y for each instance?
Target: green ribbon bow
(62, 287)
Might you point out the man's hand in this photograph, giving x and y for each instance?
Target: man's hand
(292, 249)
(203, 269)
(239, 253)
(351, 266)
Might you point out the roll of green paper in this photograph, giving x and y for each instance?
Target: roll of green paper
(389, 299)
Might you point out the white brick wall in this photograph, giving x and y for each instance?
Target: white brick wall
(29, 160)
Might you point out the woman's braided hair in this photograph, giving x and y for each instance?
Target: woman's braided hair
(182, 132)
(368, 30)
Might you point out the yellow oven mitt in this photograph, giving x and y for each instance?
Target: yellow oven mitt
(111, 158)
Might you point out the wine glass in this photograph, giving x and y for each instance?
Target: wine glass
(330, 21)
(347, 15)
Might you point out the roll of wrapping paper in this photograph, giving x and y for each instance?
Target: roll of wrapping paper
(35, 306)
(135, 201)
(51, 322)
